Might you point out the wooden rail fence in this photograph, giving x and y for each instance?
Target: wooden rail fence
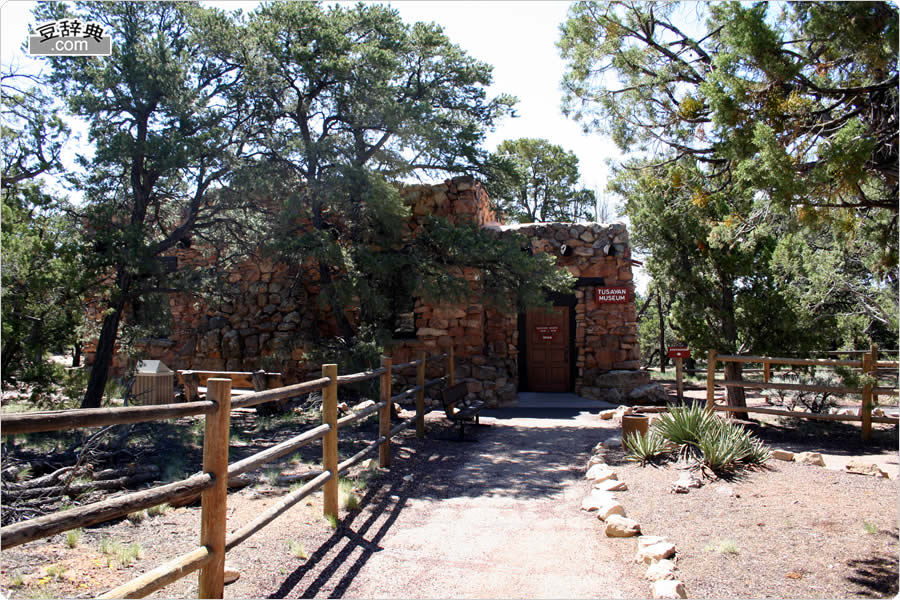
(212, 482)
(869, 364)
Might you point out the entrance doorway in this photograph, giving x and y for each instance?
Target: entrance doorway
(548, 353)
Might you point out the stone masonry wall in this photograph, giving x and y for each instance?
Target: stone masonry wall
(269, 316)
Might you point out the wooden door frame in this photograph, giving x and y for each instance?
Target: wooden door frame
(556, 299)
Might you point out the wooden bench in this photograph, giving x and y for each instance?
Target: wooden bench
(242, 382)
(457, 409)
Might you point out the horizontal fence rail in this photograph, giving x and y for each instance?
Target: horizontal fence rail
(247, 400)
(98, 512)
(80, 418)
(211, 483)
(162, 576)
(869, 366)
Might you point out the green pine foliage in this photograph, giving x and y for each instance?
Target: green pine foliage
(43, 278)
(533, 180)
(762, 179)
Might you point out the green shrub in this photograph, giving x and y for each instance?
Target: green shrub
(722, 447)
(298, 550)
(73, 537)
(123, 554)
(700, 435)
(159, 509)
(646, 448)
(347, 494)
(136, 517)
(684, 426)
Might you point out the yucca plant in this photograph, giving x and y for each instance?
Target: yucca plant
(722, 448)
(684, 427)
(646, 448)
(728, 447)
(700, 435)
(759, 453)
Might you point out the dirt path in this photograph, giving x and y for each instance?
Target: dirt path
(496, 517)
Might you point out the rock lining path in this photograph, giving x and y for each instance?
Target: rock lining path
(510, 524)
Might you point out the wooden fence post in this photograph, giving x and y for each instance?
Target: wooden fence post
(711, 380)
(330, 440)
(679, 380)
(868, 368)
(451, 368)
(874, 350)
(214, 510)
(767, 370)
(420, 397)
(384, 415)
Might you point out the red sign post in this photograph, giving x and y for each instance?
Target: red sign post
(679, 353)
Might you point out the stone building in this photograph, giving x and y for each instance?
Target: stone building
(587, 343)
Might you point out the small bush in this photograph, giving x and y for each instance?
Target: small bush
(723, 447)
(347, 493)
(332, 521)
(698, 434)
(73, 537)
(814, 402)
(121, 553)
(137, 517)
(646, 448)
(298, 550)
(270, 476)
(870, 527)
(724, 547)
(158, 510)
(684, 426)
(56, 571)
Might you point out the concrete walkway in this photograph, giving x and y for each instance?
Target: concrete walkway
(498, 517)
(542, 400)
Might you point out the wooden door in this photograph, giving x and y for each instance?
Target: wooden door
(548, 349)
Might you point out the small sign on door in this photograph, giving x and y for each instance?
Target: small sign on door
(547, 333)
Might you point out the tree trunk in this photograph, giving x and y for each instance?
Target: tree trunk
(76, 354)
(337, 308)
(34, 341)
(9, 352)
(736, 396)
(733, 371)
(106, 345)
(662, 334)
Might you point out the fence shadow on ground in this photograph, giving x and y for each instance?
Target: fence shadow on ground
(876, 575)
(517, 462)
(351, 545)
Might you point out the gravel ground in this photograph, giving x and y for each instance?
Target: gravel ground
(499, 517)
(791, 531)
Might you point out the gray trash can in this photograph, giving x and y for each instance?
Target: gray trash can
(154, 383)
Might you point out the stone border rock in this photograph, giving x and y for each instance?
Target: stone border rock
(655, 551)
(815, 458)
